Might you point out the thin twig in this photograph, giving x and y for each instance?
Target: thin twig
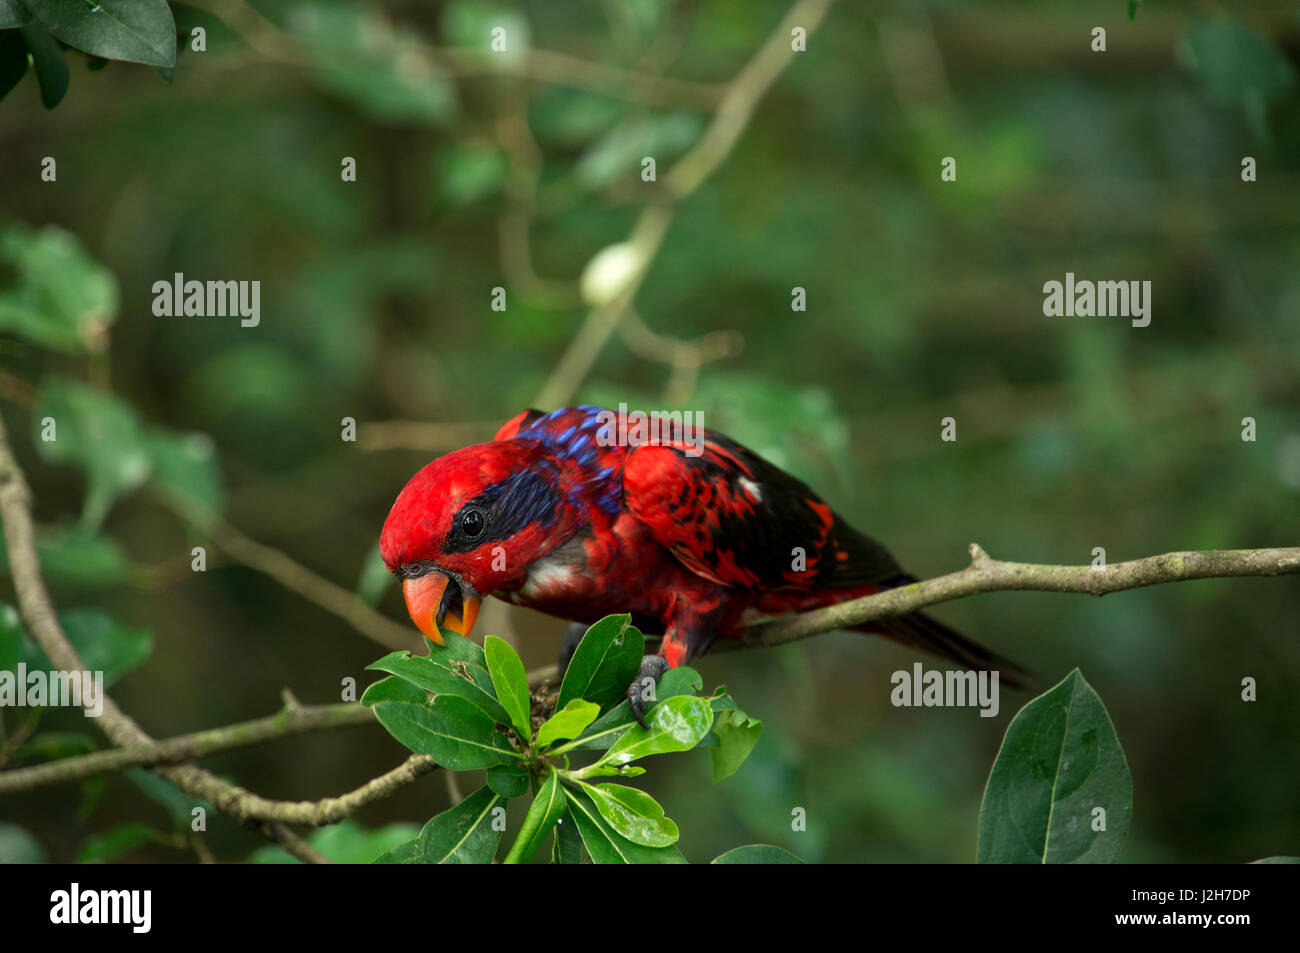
(200, 744)
(293, 844)
(267, 44)
(245, 806)
(579, 357)
(561, 69)
(742, 97)
(293, 575)
(515, 226)
(731, 118)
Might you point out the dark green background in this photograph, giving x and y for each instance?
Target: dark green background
(924, 301)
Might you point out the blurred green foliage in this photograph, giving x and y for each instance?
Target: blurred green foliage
(924, 301)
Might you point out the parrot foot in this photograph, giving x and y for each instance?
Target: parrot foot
(642, 690)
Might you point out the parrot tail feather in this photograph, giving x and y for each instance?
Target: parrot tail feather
(931, 635)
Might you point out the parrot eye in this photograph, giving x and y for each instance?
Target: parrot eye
(472, 522)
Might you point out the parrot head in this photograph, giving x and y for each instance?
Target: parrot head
(468, 524)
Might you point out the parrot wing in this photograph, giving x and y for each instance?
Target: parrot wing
(736, 519)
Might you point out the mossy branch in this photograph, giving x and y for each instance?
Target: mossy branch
(985, 574)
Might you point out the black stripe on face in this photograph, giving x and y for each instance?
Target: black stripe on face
(507, 508)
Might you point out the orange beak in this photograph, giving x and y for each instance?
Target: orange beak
(429, 609)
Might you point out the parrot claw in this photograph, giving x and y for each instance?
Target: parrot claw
(642, 690)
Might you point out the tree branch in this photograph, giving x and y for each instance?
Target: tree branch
(38, 615)
(983, 575)
(561, 69)
(267, 43)
(742, 97)
(292, 720)
(245, 806)
(293, 844)
(735, 109)
(293, 575)
(986, 574)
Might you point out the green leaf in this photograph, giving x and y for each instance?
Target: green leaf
(675, 724)
(375, 578)
(393, 689)
(460, 835)
(511, 684)
(471, 171)
(457, 649)
(220, 38)
(682, 680)
(138, 31)
(118, 841)
(603, 732)
(470, 23)
(570, 118)
(757, 854)
(51, 67)
(633, 813)
(12, 14)
(98, 432)
(349, 843)
(179, 805)
(542, 815)
(606, 661)
(737, 734)
(606, 845)
(619, 152)
(1133, 8)
(451, 730)
(346, 842)
(52, 745)
(567, 847)
(1237, 66)
(567, 723)
(92, 790)
(185, 464)
(19, 847)
(456, 678)
(380, 67)
(1059, 762)
(13, 59)
(103, 644)
(78, 557)
(406, 852)
(102, 433)
(609, 771)
(11, 638)
(60, 298)
(508, 780)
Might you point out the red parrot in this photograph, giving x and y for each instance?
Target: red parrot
(695, 538)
